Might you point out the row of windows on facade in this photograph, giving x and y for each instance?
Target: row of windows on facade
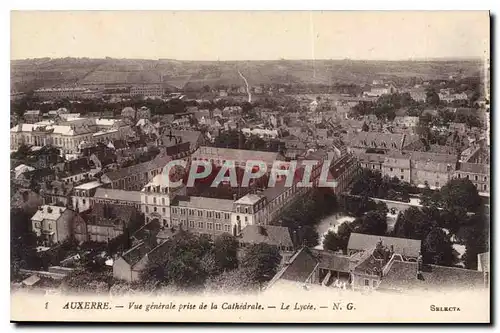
(193, 212)
(37, 225)
(201, 225)
(476, 178)
(383, 144)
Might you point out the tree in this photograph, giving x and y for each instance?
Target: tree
(344, 233)
(373, 223)
(460, 192)
(332, 242)
(180, 261)
(412, 223)
(474, 232)
(225, 252)
(261, 262)
(437, 249)
(432, 98)
(365, 127)
(234, 281)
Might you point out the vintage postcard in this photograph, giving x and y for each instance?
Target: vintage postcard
(250, 166)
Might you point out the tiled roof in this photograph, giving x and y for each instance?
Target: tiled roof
(332, 261)
(138, 168)
(47, 212)
(371, 158)
(236, 154)
(135, 254)
(404, 246)
(474, 168)
(298, 268)
(206, 203)
(376, 140)
(403, 276)
(272, 235)
(120, 195)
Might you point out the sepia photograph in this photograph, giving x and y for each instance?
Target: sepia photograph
(250, 166)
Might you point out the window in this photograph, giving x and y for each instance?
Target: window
(374, 283)
(210, 214)
(402, 170)
(402, 177)
(367, 282)
(200, 225)
(200, 213)
(226, 216)
(467, 176)
(83, 200)
(218, 226)
(174, 210)
(165, 223)
(155, 209)
(183, 211)
(475, 177)
(485, 178)
(147, 209)
(163, 201)
(391, 169)
(175, 222)
(191, 224)
(484, 187)
(246, 218)
(37, 225)
(154, 200)
(217, 215)
(191, 212)
(227, 227)
(184, 223)
(246, 210)
(164, 210)
(210, 225)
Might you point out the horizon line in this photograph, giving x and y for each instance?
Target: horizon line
(444, 58)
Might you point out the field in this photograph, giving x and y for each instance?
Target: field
(36, 73)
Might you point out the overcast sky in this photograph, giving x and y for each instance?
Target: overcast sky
(250, 35)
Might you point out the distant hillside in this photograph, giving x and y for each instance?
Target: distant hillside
(35, 73)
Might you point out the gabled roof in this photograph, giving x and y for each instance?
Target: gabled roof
(136, 253)
(404, 246)
(157, 162)
(402, 275)
(332, 261)
(474, 168)
(272, 235)
(48, 212)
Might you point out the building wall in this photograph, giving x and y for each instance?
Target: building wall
(393, 170)
(360, 281)
(432, 178)
(103, 233)
(122, 270)
(480, 180)
(64, 226)
(202, 221)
